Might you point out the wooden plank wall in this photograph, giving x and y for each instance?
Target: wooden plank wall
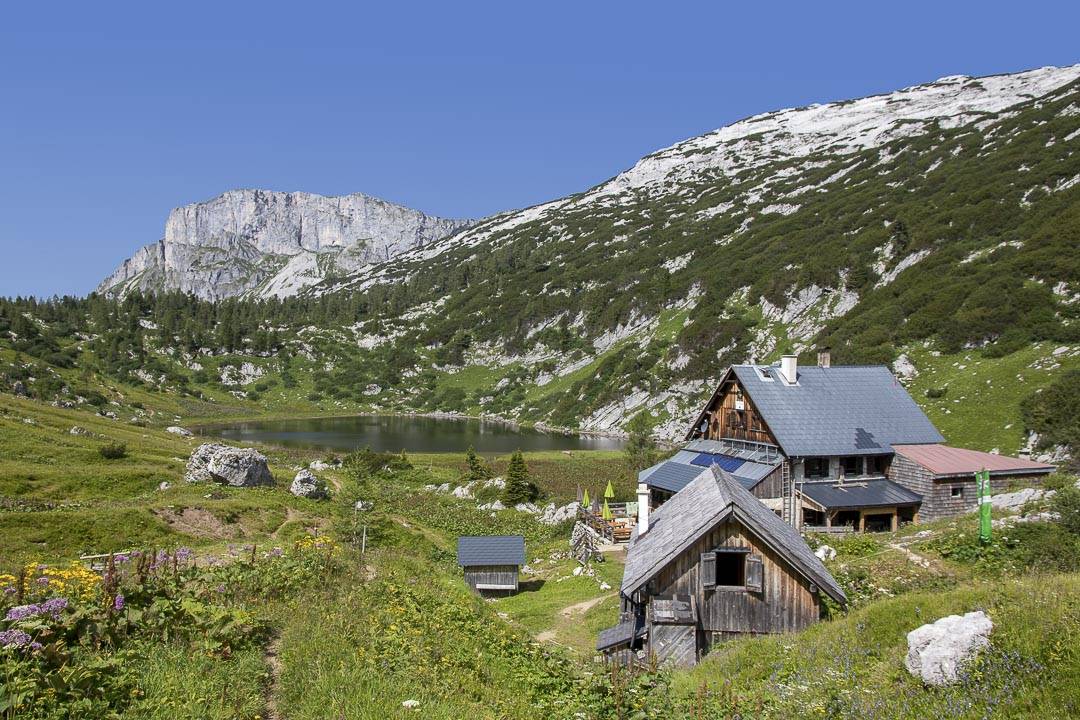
(505, 576)
(784, 605)
(722, 410)
(674, 644)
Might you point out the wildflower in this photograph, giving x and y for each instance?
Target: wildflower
(54, 607)
(21, 612)
(182, 554)
(14, 638)
(35, 646)
(42, 581)
(118, 603)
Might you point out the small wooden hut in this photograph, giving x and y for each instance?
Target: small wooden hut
(491, 562)
(710, 564)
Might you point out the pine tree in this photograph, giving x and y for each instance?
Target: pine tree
(519, 488)
(478, 469)
(640, 448)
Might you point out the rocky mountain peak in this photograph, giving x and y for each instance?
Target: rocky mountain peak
(266, 243)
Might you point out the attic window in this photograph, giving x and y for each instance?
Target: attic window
(765, 373)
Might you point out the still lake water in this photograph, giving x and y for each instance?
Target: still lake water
(391, 433)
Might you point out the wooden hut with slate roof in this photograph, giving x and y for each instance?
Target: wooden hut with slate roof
(491, 562)
(713, 563)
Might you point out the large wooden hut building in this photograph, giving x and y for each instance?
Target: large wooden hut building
(709, 564)
(830, 447)
(491, 562)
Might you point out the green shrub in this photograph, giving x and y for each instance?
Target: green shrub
(1066, 503)
(113, 451)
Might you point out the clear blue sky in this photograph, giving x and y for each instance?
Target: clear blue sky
(111, 114)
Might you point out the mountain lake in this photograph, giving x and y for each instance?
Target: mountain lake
(412, 433)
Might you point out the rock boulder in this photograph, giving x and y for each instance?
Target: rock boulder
(305, 484)
(937, 652)
(239, 467)
(177, 430)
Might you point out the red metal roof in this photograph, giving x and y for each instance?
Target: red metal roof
(945, 460)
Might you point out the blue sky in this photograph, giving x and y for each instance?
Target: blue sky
(111, 114)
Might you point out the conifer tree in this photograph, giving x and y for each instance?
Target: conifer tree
(478, 469)
(519, 488)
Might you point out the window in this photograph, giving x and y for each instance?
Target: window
(851, 466)
(732, 568)
(816, 467)
(876, 464)
(958, 491)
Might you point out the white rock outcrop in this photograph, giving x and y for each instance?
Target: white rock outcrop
(177, 430)
(825, 552)
(307, 485)
(938, 651)
(1020, 498)
(265, 243)
(239, 467)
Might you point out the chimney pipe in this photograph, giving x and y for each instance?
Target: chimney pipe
(789, 368)
(824, 358)
(642, 509)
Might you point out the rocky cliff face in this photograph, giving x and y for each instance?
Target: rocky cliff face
(261, 243)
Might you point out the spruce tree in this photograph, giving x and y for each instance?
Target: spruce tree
(478, 469)
(519, 488)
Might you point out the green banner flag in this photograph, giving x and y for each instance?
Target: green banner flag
(982, 481)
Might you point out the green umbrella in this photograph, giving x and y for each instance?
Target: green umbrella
(585, 499)
(606, 513)
(609, 492)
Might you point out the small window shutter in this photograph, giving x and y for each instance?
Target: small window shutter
(708, 569)
(755, 571)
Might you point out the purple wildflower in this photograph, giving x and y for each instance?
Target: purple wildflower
(35, 646)
(118, 603)
(183, 554)
(276, 552)
(221, 588)
(42, 581)
(14, 638)
(54, 607)
(21, 612)
(121, 558)
(10, 590)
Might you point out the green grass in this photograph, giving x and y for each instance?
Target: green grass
(853, 667)
(981, 408)
(175, 683)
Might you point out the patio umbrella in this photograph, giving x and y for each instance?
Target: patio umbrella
(606, 512)
(585, 499)
(609, 492)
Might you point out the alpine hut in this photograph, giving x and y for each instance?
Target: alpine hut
(713, 563)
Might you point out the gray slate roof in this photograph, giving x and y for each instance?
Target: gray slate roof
(712, 497)
(490, 550)
(860, 493)
(617, 635)
(854, 410)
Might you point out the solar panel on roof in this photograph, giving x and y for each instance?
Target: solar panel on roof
(731, 464)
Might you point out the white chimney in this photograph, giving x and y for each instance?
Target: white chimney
(824, 358)
(789, 368)
(642, 509)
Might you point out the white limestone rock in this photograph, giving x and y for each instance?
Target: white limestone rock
(493, 506)
(239, 467)
(825, 552)
(938, 651)
(263, 243)
(553, 515)
(307, 485)
(1017, 500)
(177, 430)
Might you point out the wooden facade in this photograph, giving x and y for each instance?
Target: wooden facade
(783, 601)
(492, 577)
(732, 415)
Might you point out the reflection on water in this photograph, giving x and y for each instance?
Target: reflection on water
(405, 432)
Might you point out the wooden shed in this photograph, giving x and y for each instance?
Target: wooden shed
(491, 562)
(714, 563)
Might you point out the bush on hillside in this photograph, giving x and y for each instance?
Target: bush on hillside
(1054, 413)
(113, 451)
(1066, 503)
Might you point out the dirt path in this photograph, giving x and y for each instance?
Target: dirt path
(290, 515)
(567, 615)
(273, 662)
